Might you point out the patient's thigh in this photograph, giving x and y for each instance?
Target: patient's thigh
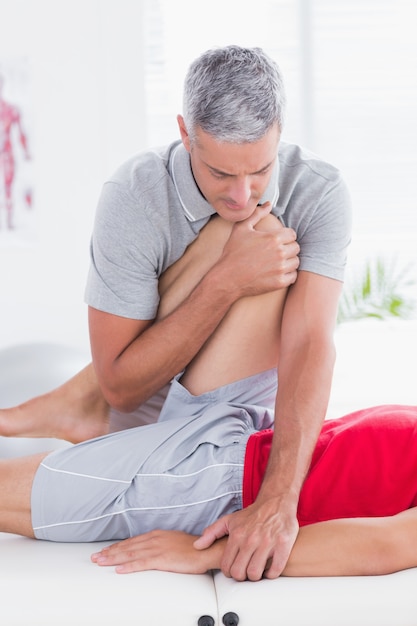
(246, 342)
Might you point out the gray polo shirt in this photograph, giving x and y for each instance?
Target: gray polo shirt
(151, 209)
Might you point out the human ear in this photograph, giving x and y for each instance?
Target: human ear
(185, 137)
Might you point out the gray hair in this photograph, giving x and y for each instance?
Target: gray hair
(234, 94)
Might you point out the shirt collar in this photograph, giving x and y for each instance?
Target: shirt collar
(194, 204)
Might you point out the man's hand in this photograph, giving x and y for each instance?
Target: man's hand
(261, 255)
(163, 550)
(260, 540)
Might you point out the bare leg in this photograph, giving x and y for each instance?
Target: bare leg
(75, 411)
(356, 547)
(247, 340)
(16, 478)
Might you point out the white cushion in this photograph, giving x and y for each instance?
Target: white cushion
(51, 584)
(45, 584)
(336, 601)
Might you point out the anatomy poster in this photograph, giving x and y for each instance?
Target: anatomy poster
(16, 152)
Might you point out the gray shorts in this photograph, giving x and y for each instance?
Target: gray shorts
(182, 473)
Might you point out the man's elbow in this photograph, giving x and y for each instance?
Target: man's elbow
(121, 403)
(118, 397)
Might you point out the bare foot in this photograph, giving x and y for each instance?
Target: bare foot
(75, 411)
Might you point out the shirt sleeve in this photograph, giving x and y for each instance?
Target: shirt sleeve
(324, 233)
(124, 269)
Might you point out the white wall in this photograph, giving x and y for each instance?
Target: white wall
(87, 114)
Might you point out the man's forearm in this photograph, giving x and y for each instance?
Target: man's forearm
(302, 399)
(168, 345)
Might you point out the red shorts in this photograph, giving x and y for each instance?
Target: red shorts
(364, 465)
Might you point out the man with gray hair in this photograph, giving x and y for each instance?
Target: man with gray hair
(229, 162)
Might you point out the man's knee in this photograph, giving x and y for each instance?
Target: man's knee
(183, 276)
(269, 223)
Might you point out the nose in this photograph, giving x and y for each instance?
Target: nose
(240, 191)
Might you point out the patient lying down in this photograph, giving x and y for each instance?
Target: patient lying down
(357, 508)
(154, 489)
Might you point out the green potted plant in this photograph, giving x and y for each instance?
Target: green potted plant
(379, 290)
